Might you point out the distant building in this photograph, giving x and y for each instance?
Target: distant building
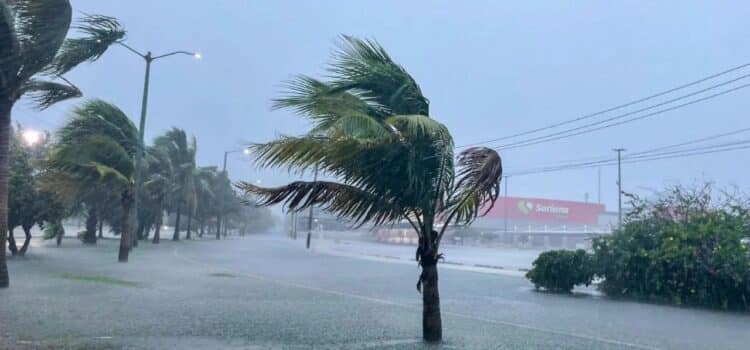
(526, 222)
(517, 221)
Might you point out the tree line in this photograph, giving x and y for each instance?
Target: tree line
(87, 170)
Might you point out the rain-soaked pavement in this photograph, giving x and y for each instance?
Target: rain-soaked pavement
(265, 292)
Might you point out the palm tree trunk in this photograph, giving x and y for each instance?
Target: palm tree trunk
(12, 243)
(190, 221)
(432, 327)
(157, 231)
(201, 230)
(60, 234)
(101, 228)
(139, 230)
(218, 227)
(125, 236)
(89, 236)
(25, 247)
(176, 235)
(5, 107)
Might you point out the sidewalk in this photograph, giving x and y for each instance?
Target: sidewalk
(354, 244)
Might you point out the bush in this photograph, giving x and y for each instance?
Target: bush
(686, 247)
(561, 270)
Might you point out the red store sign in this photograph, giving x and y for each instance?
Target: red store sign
(546, 210)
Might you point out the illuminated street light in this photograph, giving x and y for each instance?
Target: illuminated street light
(31, 137)
(198, 55)
(245, 151)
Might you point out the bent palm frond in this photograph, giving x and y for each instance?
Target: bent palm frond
(478, 184)
(363, 65)
(101, 118)
(46, 93)
(99, 33)
(41, 27)
(9, 47)
(344, 200)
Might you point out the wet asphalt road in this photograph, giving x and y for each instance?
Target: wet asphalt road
(269, 293)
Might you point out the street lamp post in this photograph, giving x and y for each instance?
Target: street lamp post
(222, 219)
(149, 58)
(310, 217)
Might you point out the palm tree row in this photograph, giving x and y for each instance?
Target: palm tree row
(91, 164)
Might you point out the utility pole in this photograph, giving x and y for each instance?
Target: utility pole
(505, 205)
(310, 218)
(619, 185)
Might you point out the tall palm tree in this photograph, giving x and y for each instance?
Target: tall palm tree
(181, 153)
(372, 132)
(33, 50)
(96, 149)
(206, 201)
(157, 185)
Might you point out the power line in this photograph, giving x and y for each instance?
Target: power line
(725, 147)
(627, 104)
(708, 138)
(583, 129)
(635, 156)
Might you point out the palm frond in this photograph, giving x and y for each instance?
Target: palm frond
(180, 150)
(96, 158)
(64, 185)
(316, 99)
(364, 66)
(46, 93)
(357, 125)
(41, 27)
(99, 33)
(293, 152)
(344, 200)
(9, 47)
(102, 118)
(422, 127)
(478, 184)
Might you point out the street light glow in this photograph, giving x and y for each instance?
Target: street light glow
(246, 151)
(197, 55)
(31, 137)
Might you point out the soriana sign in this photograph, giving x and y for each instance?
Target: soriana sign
(546, 210)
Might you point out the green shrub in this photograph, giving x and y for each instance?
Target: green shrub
(561, 270)
(685, 248)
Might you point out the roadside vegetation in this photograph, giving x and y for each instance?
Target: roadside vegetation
(688, 246)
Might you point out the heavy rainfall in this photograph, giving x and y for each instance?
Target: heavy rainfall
(183, 174)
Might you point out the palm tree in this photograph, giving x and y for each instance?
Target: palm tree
(181, 153)
(96, 149)
(222, 188)
(23, 197)
(372, 132)
(156, 187)
(34, 47)
(206, 198)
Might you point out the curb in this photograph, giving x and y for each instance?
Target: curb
(483, 266)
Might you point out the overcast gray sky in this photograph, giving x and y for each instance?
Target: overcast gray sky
(489, 68)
